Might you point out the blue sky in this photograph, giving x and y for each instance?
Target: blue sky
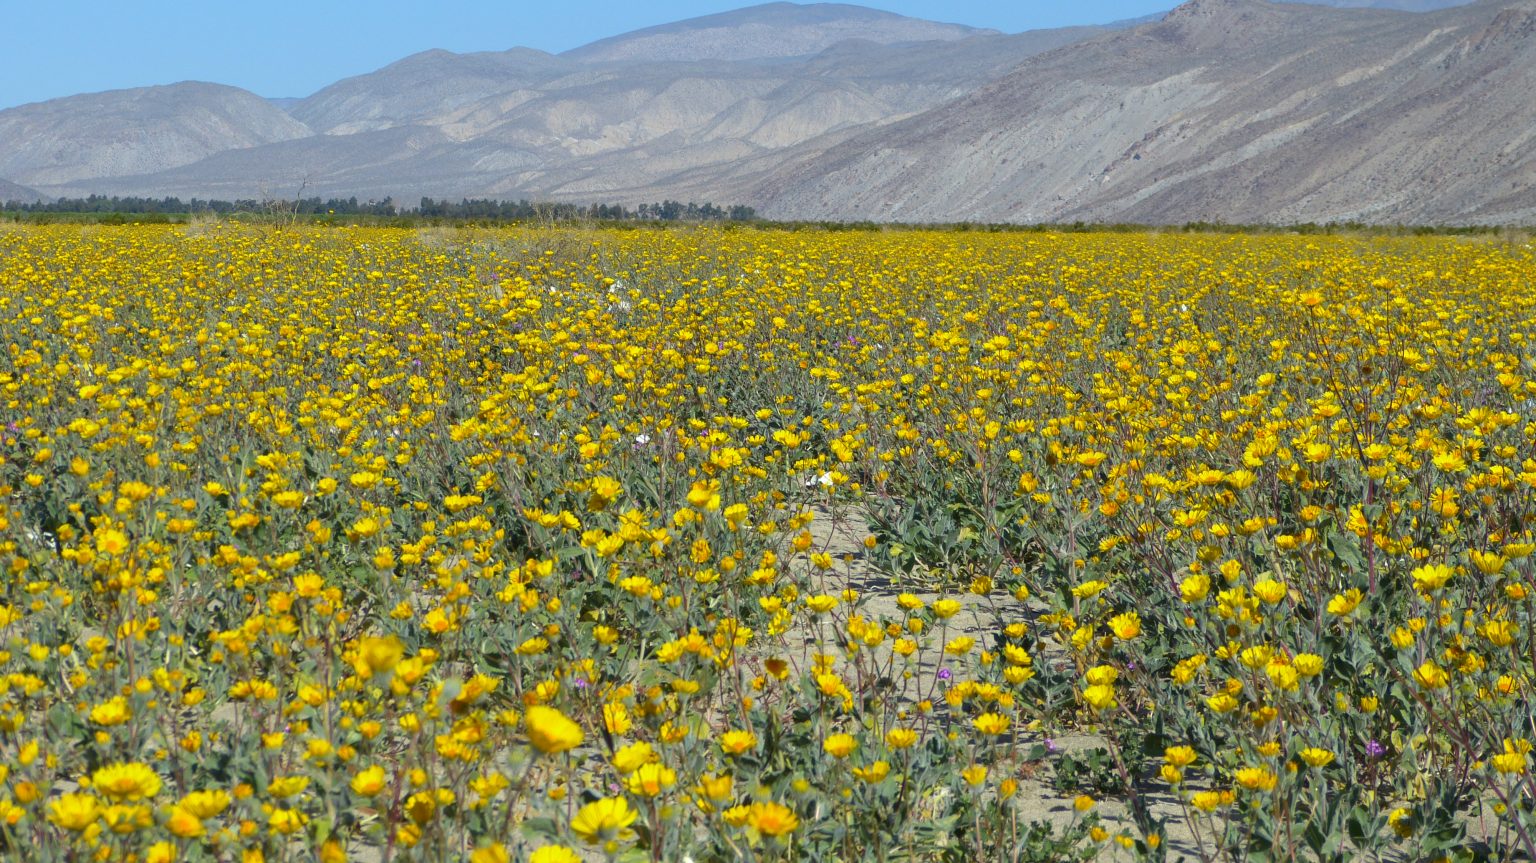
(288, 48)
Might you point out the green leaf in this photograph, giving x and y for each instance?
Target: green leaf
(541, 828)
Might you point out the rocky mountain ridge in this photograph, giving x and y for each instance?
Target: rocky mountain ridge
(1227, 110)
(123, 132)
(1230, 110)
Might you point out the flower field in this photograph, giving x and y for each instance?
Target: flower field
(725, 544)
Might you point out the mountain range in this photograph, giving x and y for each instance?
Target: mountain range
(1402, 111)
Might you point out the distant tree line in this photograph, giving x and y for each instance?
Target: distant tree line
(101, 209)
(666, 211)
(483, 209)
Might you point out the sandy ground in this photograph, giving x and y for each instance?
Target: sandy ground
(842, 536)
